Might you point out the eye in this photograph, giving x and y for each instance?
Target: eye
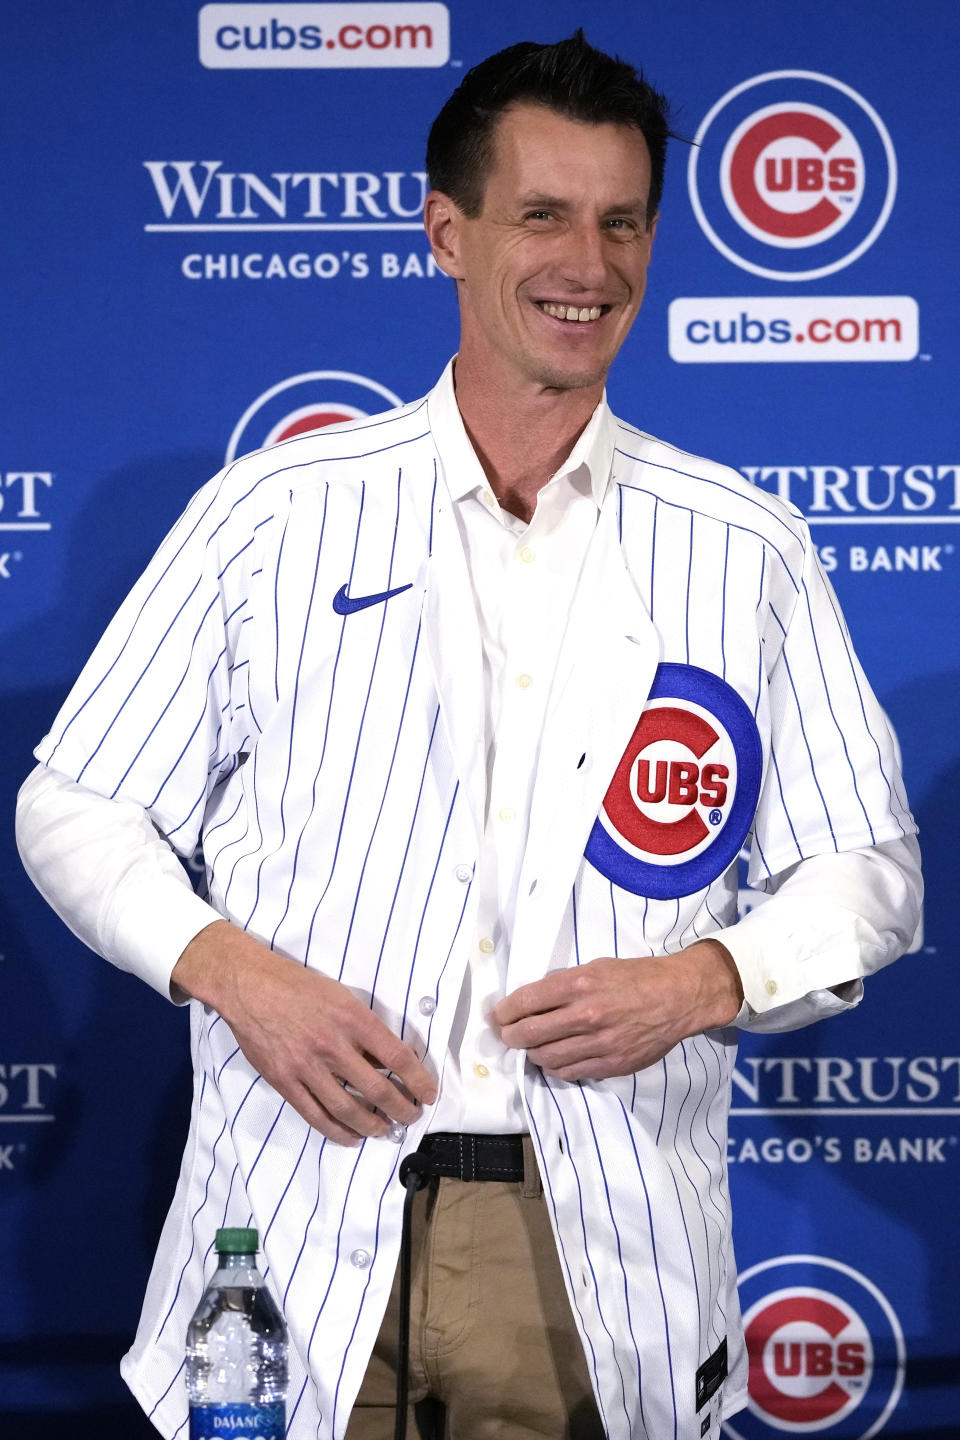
(538, 215)
(620, 224)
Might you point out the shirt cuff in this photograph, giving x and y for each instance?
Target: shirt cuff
(784, 954)
(110, 876)
(152, 930)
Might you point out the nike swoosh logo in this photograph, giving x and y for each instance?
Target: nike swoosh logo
(345, 604)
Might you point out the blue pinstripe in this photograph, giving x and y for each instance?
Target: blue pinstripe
(293, 724)
(423, 915)
(363, 1296)
(616, 1231)
(406, 853)
(900, 795)
(308, 1131)
(548, 1187)
(833, 717)
(746, 529)
(586, 1250)
(803, 732)
(686, 616)
(383, 800)
(193, 1241)
(276, 594)
(363, 716)
(678, 1149)
(723, 607)
(336, 1252)
(306, 1229)
(656, 1271)
(746, 497)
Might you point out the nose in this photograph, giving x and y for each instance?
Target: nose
(582, 259)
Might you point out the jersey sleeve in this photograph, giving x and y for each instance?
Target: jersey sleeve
(832, 842)
(161, 710)
(832, 781)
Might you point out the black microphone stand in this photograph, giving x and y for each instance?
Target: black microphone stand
(415, 1171)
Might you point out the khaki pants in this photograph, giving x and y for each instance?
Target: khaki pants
(494, 1352)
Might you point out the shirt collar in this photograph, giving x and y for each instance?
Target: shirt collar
(463, 471)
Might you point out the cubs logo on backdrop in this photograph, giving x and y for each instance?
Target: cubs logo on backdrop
(682, 799)
(792, 175)
(307, 402)
(826, 1351)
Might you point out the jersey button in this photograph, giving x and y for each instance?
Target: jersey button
(426, 1005)
(463, 873)
(397, 1133)
(360, 1259)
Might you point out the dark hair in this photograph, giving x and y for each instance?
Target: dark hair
(570, 77)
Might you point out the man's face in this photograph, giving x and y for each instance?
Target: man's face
(553, 269)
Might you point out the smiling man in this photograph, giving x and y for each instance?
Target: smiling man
(551, 263)
(472, 707)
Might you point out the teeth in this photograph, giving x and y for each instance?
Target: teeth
(571, 312)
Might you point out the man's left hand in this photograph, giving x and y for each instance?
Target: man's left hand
(614, 1016)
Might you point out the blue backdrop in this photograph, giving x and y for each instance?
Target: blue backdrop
(212, 235)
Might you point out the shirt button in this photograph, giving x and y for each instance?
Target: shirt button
(463, 873)
(527, 554)
(507, 814)
(771, 987)
(481, 1071)
(487, 498)
(360, 1259)
(427, 1005)
(487, 946)
(524, 682)
(397, 1133)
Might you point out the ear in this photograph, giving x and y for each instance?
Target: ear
(442, 220)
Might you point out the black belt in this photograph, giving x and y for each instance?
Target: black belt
(463, 1157)
(474, 1157)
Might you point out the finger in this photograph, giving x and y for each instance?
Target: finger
(379, 1091)
(553, 991)
(607, 1064)
(572, 1050)
(319, 1118)
(545, 1029)
(390, 1052)
(539, 1030)
(598, 1067)
(347, 1109)
(374, 1064)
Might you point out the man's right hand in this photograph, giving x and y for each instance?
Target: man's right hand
(307, 1035)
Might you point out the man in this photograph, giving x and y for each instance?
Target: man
(473, 705)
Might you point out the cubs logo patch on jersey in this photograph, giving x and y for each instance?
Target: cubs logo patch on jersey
(682, 798)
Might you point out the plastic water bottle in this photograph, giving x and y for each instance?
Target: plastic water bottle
(237, 1349)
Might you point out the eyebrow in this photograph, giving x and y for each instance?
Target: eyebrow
(535, 201)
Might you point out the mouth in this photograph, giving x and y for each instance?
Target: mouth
(577, 314)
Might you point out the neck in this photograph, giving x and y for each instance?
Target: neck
(521, 435)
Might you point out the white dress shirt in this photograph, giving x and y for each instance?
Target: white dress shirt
(524, 577)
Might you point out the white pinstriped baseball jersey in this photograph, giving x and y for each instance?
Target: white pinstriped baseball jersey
(329, 757)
